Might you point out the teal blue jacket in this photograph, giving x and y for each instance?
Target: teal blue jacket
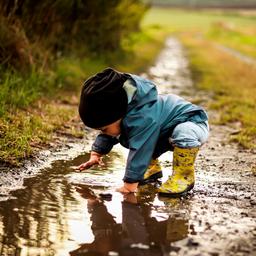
(148, 124)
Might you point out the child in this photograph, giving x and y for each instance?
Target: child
(128, 110)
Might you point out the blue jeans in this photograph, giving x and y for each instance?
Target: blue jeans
(184, 135)
(189, 135)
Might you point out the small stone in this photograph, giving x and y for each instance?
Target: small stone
(192, 243)
(214, 253)
(106, 196)
(253, 202)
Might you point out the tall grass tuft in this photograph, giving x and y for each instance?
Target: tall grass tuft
(18, 91)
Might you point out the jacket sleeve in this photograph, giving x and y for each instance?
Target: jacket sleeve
(104, 143)
(142, 142)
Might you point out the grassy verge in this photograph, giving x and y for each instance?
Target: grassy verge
(232, 81)
(236, 37)
(234, 29)
(46, 102)
(28, 124)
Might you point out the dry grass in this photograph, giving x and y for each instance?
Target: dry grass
(232, 81)
(237, 37)
(26, 129)
(24, 132)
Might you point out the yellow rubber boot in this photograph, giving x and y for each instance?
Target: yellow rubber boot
(153, 172)
(183, 177)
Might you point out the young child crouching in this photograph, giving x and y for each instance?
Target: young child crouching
(128, 110)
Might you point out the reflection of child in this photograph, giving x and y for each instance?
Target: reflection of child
(128, 110)
(138, 231)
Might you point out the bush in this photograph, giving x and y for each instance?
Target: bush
(63, 26)
(14, 46)
(35, 36)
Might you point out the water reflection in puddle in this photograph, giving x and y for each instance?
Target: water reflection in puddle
(61, 212)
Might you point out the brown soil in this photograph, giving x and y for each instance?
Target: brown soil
(217, 218)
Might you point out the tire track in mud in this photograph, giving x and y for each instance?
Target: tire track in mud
(217, 218)
(223, 203)
(244, 58)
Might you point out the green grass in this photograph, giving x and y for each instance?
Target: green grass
(34, 106)
(26, 131)
(29, 116)
(233, 29)
(200, 20)
(18, 91)
(232, 81)
(235, 37)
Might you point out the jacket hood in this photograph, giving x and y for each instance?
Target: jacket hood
(146, 92)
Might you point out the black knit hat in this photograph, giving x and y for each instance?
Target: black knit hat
(103, 99)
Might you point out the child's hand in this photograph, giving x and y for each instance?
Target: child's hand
(128, 188)
(95, 159)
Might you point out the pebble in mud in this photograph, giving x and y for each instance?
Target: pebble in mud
(191, 243)
(105, 196)
(253, 202)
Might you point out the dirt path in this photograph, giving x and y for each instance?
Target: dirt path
(60, 212)
(223, 204)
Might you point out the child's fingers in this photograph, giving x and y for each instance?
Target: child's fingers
(74, 167)
(80, 167)
(87, 165)
(84, 166)
(100, 162)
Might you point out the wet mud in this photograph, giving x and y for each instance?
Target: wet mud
(63, 212)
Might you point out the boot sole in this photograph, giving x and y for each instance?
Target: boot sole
(153, 178)
(175, 195)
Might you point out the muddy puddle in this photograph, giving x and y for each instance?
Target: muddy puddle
(63, 212)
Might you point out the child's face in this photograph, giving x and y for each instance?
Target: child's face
(113, 129)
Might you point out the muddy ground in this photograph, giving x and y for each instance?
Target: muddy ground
(48, 209)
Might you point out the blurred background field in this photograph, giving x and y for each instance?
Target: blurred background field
(233, 28)
(221, 47)
(48, 49)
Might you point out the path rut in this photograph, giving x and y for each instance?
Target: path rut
(62, 212)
